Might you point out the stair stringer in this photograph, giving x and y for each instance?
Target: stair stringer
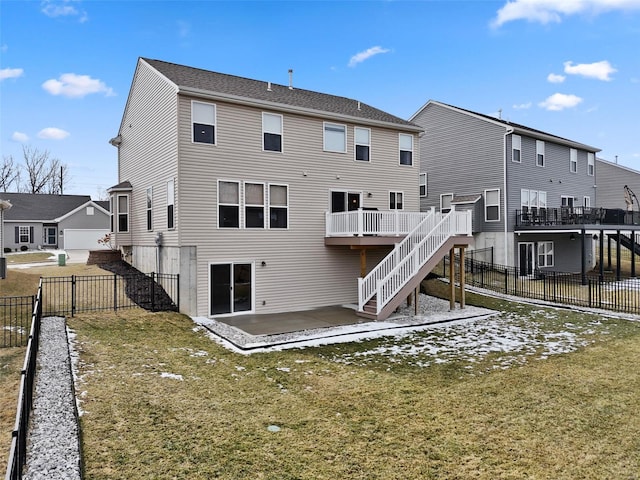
(411, 285)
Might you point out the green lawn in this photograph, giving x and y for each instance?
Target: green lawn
(532, 393)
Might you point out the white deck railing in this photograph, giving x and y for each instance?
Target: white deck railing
(408, 256)
(371, 222)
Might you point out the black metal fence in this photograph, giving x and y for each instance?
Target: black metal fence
(15, 320)
(18, 449)
(556, 287)
(89, 293)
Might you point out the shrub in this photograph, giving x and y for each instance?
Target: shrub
(24, 248)
(7, 250)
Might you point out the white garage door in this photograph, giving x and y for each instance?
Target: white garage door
(79, 239)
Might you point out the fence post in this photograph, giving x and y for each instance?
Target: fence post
(544, 287)
(590, 286)
(506, 281)
(153, 291)
(73, 295)
(177, 286)
(555, 287)
(115, 292)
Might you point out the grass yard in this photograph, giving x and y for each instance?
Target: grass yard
(29, 257)
(530, 393)
(11, 361)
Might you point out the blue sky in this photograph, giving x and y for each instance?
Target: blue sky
(571, 68)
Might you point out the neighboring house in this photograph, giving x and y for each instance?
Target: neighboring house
(264, 198)
(533, 194)
(38, 221)
(612, 180)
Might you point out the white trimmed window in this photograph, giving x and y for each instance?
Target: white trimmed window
(568, 201)
(278, 206)
(423, 184)
(149, 211)
(271, 132)
(406, 149)
(492, 205)
(228, 204)
(123, 213)
(573, 160)
(203, 118)
(335, 137)
(396, 201)
(254, 205)
(586, 201)
(545, 254)
(591, 166)
(90, 211)
(171, 214)
(25, 234)
(362, 138)
(445, 202)
(532, 199)
(540, 153)
(516, 147)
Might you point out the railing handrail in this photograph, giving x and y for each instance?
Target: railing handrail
(362, 222)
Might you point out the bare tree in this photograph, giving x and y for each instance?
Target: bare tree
(44, 173)
(9, 174)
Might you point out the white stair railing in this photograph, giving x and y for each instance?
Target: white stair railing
(406, 259)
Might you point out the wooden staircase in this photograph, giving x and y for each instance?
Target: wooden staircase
(398, 274)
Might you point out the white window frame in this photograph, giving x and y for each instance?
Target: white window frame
(171, 204)
(214, 124)
(586, 201)
(442, 196)
(266, 130)
(540, 160)
(335, 127)
(516, 145)
(545, 251)
(149, 209)
(90, 211)
(270, 206)
(123, 214)
(246, 204)
(226, 204)
(401, 149)
(487, 205)
(591, 165)
(564, 201)
(393, 200)
(573, 160)
(423, 185)
(21, 234)
(357, 143)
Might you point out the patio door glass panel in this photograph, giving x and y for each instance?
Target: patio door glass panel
(345, 201)
(231, 288)
(526, 258)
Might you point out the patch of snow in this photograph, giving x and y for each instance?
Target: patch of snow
(173, 376)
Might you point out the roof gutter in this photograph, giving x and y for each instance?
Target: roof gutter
(236, 99)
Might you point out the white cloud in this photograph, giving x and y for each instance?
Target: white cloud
(52, 133)
(522, 106)
(63, 8)
(11, 73)
(553, 11)
(560, 101)
(555, 78)
(598, 70)
(20, 137)
(76, 86)
(368, 53)
(184, 29)
(4, 48)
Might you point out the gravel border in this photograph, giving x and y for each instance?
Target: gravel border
(53, 450)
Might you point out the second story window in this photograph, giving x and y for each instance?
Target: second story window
(445, 202)
(149, 209)
(363, 143)
(540, 153)
(423, 184)
(271, 132)
(591, 166)
(228, 204)
(254, 205)
(278, 206)
(396, 201)
(335, 138)
(123, 213)
(573, 160)
(203, 117)
(516, 146)
(492, 205)
(406, 149)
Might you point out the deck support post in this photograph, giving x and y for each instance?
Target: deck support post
(417, 301)
(462, 279)
(363, 262)
(452, 279)
(633, 253)
(601, 260)
(583, 261)
(618, 272)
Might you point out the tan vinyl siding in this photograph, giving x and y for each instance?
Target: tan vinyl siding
(300, 272)
(148, 152)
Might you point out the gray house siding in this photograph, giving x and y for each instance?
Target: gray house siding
(10, 235)
(462, 155)
(612, 178)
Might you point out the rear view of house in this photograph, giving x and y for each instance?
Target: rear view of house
(265, 198)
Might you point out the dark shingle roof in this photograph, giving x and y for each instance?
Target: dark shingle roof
(190, 78)
(28, 206)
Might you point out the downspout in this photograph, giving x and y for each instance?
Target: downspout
(504, 192)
